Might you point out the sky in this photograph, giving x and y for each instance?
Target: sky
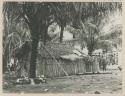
(114, 20)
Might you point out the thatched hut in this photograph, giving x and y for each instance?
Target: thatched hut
(58, 59)
(55, 60)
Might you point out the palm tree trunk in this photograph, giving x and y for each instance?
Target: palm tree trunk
(4, 62)
(90, 53)
(45, 34)
(33, 59)
(90, 50)
(34, 51)
(61, 34)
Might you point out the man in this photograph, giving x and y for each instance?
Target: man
(95, 65)
(104, 64)
(104, 61)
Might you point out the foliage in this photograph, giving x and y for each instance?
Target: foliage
(32, 20)
(91, 18)
(15, 33)
(62, 15)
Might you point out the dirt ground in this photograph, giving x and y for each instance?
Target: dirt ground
(97, 84)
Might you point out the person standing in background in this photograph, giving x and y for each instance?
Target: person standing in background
(104, 61)
(95, 65)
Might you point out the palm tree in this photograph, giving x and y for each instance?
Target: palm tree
(95, 38)
(14, 34)
(36, 16)
(88, 21)
(62, 15)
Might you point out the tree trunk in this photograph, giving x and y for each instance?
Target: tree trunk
(45, 34)
(5, 59)
(33, 58)
(90, 50)
(90, 53)
(34, 51)
(61, 33)
(4, 63)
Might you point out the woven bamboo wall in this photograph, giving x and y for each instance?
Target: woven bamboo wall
(52, 69)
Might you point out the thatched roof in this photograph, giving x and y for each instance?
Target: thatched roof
(71, 57)
(55, 49)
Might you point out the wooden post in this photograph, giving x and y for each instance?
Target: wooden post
(45, 68)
